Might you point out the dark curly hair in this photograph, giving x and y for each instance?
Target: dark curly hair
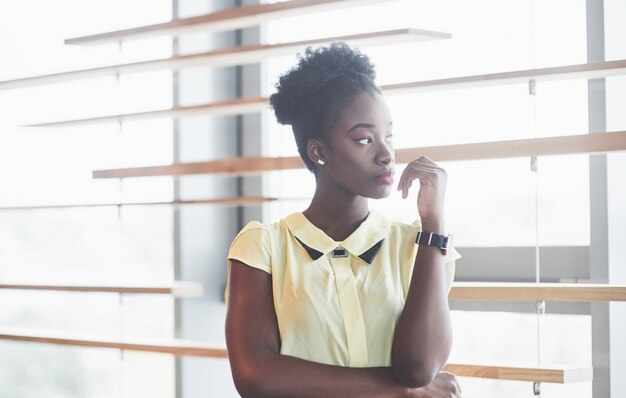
(312, 95)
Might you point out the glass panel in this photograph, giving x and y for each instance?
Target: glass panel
(481, 194)
(511, 338)
(83, 245)
(44, 371)
(87, 246)
(488, 202)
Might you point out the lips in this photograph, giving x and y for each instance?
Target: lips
(385, 178)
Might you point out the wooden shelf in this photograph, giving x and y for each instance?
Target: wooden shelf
(581, 71)
(587, 143)
(256, 104)
(537, 292)
(222, 108)
(461, 291)
(559, 375)
(182, 348)
(166, 346)
(229, 19)
(231, 201)
(231, 56)
(178, 289)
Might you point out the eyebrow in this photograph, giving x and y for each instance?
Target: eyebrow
(366, 126)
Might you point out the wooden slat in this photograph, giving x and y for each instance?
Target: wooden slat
(241, 55)
(560, 375)
(537, 292)
(257, 104)
(166, 346)
(461, 291)
(231, 166)
(240, 106)
(228, 19)
(178, 289)
(587, 143)
(182, 348)
(581, 71)
(230, 201)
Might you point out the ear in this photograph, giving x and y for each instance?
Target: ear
(315, 150)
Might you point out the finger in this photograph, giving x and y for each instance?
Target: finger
(405, 181)
(416, 164)
(424, 175)
(402, 183)
(416, 169)
(426, 159)
(422, 165)
(407, 186)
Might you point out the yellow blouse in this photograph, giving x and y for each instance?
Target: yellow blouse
(337, 303)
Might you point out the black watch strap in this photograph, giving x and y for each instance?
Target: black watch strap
(433, 239)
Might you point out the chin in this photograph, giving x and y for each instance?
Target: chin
(380, 193)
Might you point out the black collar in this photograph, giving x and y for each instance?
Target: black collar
(367, 256)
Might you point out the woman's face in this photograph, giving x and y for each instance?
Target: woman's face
(362, 158)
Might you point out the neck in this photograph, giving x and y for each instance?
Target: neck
(336, 212)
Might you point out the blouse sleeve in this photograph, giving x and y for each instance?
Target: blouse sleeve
(251, 247)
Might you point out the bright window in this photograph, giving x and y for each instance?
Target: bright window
(83, 245)
(483, 196)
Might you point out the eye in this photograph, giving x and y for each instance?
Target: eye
(364, 140)
(389, 138)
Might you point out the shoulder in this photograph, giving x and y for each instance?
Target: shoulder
(256, 228)
(252, 247)
(259, 234)
(253, 231)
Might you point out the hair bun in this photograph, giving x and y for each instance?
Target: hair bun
(315, 68)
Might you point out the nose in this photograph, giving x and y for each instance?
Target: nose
(386, 153)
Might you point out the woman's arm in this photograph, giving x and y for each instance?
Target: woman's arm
(423, 335)
(258, 368)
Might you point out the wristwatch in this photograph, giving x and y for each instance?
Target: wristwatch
(433, 239)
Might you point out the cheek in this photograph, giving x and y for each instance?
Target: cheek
(350, 168)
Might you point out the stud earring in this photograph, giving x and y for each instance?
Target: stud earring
(320, 162)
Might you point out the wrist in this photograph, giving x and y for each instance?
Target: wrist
(433, 224)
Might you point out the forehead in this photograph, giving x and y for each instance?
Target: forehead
(368, 107)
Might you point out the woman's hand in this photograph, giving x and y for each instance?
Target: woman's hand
(444, 385)
(432, 191)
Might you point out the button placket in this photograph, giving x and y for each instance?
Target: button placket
(350, 307)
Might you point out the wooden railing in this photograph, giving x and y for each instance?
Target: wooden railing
(240, 106)
(257, 104)
(184, 347)
(240, 55)
(177, 289)
(228, 19)
(587, 143)
(492, 291)
(562, 375)
(166, 346)
(230, 201)
(594, 70)
(461, 291)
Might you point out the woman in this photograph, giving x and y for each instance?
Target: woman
(325, 303)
